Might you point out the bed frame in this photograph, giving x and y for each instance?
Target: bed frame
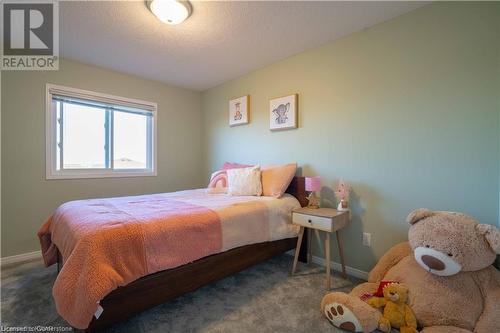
(154, 289)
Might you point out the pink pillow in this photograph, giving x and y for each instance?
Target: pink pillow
(276, 178)
(218, 179)
(218, 182)
(229, 165)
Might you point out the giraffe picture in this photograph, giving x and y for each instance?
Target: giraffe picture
(239, 110)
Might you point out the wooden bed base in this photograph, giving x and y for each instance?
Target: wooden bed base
(154, 289)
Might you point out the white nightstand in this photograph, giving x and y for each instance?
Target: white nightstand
(328, 220)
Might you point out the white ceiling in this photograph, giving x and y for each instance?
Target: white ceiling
(219, 42)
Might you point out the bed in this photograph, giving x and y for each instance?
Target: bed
(210, 237)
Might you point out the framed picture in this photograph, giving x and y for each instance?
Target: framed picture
(238, 110)
(283, 112)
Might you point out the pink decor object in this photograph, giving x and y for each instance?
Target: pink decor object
(313, 184)
(342, 193)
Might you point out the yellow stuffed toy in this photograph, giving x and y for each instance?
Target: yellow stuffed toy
(397, 314)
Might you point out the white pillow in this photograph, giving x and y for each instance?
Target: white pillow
(244, 181)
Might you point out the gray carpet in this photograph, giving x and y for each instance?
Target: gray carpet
(261, 299)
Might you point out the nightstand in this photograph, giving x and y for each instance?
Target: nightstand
(328, 220)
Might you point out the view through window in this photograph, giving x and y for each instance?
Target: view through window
(94, 137)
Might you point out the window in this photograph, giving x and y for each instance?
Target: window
(93, 135)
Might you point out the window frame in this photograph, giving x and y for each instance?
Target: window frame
(51, 135)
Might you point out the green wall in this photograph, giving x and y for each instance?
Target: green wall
(407, 112)
(28, 199)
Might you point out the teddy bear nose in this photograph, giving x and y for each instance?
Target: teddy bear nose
(433, 262)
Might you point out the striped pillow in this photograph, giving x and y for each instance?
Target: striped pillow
(218, 182)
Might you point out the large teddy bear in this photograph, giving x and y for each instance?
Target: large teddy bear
(447, 266)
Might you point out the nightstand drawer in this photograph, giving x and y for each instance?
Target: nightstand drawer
(311, 221)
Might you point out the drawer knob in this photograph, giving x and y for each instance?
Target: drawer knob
(309, 221)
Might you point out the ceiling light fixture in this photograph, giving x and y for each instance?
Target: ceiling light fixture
(170, 11)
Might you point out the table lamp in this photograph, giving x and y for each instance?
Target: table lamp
(313, 184)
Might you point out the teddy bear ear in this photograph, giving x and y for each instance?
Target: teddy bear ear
(491, 234)
(418, 214)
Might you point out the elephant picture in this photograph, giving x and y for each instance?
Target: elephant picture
(280, 113)
(283, 112)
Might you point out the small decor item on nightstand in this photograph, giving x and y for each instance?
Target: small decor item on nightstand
(313, 184)
(342, 194)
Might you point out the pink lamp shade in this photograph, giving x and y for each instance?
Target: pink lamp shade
(313, 184)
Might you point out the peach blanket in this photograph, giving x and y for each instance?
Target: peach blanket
(106, 243)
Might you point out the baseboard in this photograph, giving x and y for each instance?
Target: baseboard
(337, 267)
(21, 258)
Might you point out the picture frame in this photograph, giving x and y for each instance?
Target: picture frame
(239, 110)
(283, 112)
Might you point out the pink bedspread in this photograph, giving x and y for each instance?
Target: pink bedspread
(107, 243)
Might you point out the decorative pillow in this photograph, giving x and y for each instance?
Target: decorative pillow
(244, 181)
(218, 179)
(229, 165)
(218, 182)
(275, 179)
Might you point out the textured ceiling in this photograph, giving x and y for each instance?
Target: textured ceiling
(219, 42)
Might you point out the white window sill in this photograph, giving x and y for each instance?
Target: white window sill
(97, 175)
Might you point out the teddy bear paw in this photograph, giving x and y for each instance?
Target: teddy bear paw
(384, 328)
(340, 316)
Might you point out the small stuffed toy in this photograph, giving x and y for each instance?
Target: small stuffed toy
(397, 314)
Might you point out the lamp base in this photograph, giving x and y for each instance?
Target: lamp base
(343, 206)
(313, 200)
